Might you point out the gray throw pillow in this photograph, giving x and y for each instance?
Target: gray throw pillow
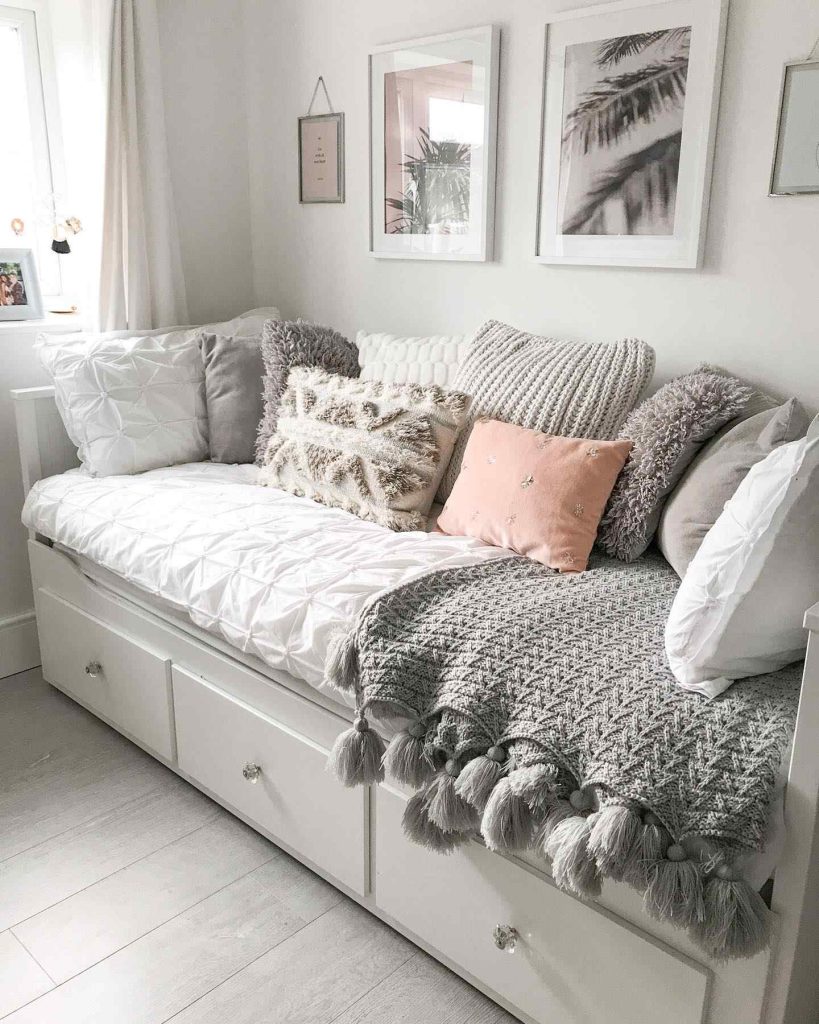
(289, 343)
(667, 430)
(233, 395)
(713, 477)
(573, 388)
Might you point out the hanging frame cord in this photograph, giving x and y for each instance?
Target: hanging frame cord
(815, 51)
(321, 83)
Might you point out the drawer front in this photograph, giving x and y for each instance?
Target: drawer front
(293, 797)
(108, 671)
(571, 963)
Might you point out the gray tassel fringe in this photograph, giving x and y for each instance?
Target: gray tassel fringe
(614, 839)
(674, 892)
(736, 922)
(406, 760)
(446, 809)
(477, 780)
(537, 786)
(507, 821)
(341, 667)
(356, 756)
(560, 810)
(573, 866)
(420, 829)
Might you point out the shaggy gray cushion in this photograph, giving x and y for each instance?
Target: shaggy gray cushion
(714, 475)
(289, 343)
(667, 431)
(233, 395)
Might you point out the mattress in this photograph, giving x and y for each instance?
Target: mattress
(272, 574)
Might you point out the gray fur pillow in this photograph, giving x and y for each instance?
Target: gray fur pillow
(289, 343)
(667, 431)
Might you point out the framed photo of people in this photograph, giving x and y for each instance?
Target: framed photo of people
(19, 286)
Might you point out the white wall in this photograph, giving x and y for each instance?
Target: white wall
(752, 307)
(205, 113)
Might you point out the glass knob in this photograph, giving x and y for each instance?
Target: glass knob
(505, 937)
(252, 772)
(93, 669)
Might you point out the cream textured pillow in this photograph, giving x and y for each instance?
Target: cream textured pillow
(376, 450)
(572, 388)
(396, 360)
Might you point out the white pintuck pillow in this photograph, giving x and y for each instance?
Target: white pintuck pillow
(740, 606)
(135, 402)
(395, 360)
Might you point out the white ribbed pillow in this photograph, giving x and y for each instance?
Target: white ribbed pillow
(572, 388)
(396, 360)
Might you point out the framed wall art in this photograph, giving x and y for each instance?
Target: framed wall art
(321, 158)
(631, 91)
(19, 286)
(796, 157)
(433, 114)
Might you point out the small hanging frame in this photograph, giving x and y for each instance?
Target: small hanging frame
(321, 153)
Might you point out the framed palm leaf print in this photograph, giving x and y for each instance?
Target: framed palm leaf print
(631, 91)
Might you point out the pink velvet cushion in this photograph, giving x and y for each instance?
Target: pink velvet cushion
(537, 494)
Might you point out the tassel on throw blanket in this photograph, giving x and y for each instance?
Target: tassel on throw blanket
(546, 718)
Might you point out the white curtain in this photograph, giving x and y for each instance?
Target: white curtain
(142, 285)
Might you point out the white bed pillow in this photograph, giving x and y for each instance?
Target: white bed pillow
(740, 606)
(136, 402)
(396, 360)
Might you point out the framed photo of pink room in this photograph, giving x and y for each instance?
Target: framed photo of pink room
(433, 118)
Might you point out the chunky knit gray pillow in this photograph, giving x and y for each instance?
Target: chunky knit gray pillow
(667, 430)
(289, 343)
(571, 388)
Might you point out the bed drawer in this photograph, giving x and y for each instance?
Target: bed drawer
(107, 671)
(221, 741)
(571, 963)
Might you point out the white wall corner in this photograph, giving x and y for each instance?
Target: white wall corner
(19, 644)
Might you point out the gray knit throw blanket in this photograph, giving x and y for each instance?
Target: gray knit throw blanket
(543, 715)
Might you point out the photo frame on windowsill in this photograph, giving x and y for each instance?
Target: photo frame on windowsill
(433, 122)
(321, 158)
(630, 102)
(20, 297)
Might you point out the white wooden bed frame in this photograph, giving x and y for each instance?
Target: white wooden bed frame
(255, 740)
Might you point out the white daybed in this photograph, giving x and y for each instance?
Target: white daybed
(233, 708)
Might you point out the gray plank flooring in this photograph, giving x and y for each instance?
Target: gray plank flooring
(126, 895)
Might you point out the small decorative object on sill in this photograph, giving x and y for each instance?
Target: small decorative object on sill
(321, 153)
(18, 226)
(796, 157)
(19, 288)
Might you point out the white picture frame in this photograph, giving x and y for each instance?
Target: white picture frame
(405, 80)
(629, 187)
(795, 170)
(20, 297)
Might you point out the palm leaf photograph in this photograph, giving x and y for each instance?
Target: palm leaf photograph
(624, 101)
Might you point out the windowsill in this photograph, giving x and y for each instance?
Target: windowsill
(56, 322)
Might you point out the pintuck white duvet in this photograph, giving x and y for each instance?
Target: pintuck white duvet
(273, 574)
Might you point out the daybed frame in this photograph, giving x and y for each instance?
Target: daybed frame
(256, 739)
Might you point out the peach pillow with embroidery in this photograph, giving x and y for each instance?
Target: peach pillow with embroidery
(538, 494)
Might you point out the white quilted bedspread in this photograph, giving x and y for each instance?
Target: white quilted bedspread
(273, 574)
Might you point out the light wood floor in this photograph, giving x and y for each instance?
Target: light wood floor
(127, 896)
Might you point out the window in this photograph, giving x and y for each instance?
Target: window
(28, 139)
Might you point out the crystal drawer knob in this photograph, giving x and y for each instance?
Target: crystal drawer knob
(252, 772)
(93, 669)
(505, 937)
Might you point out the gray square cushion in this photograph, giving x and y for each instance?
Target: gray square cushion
(713, 477)
(233, 392)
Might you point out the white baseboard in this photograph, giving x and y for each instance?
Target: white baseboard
(19, 646)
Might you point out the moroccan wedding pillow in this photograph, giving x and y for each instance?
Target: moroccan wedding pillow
(537, 494)
(376, 450)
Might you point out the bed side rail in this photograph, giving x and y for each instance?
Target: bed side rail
(45, 448)
(793, 991)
